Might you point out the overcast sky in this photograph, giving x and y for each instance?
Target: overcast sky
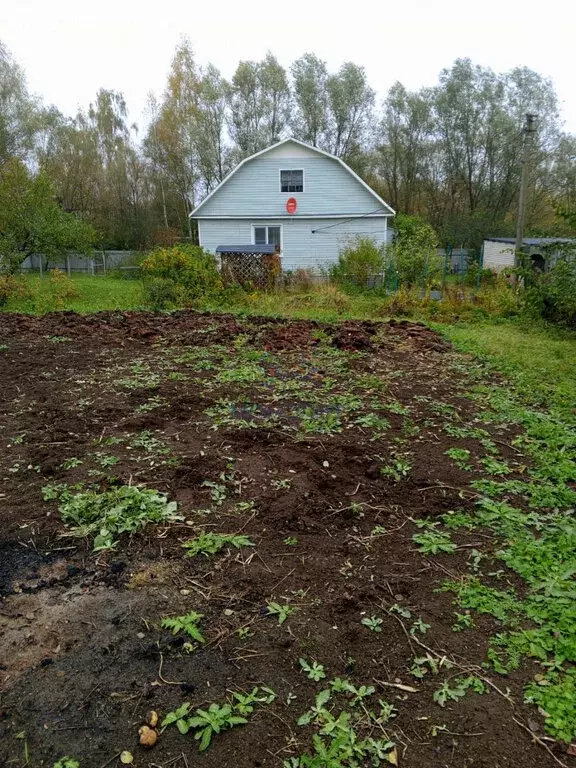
(70, 48)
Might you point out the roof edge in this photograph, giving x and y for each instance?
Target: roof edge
(384, 204)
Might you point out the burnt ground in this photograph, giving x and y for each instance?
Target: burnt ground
(291, 424)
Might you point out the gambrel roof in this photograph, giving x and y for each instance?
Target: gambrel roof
(381, 207)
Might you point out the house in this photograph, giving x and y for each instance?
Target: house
(294, 196)
(498, 252)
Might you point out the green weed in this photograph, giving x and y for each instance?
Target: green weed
(373, 622)
(320, 423)
(72, 463)
(457, 691)
(211, 543)
(397, 471)
(433, 542)
(314, 671)
(126, 509)
(460, 457)
(282, 611)
(188, 624)
(556, 697)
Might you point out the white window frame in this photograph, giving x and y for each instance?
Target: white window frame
(303, 181)
(260, 226)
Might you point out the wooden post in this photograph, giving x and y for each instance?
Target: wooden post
(528, 131)
(68, 264)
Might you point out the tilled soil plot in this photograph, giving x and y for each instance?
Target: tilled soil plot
(321, 445)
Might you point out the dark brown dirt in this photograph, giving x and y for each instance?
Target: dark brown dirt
(81, 656)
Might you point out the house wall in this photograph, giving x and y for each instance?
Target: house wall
(498, 256)
(306, 243)
(254, 190)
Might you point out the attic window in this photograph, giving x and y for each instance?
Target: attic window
(291, 181)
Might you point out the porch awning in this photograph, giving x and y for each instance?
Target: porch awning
(246, 250)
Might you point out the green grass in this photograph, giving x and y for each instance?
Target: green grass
(539, 359)
(94, 295)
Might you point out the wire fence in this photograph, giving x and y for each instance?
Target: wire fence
(454, 266)
(98, 263)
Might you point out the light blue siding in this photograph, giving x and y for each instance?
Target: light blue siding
(334, 207)
(306, 243)
(254, 190)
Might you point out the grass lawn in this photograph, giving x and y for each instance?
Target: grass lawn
(93, 295)
(540, 359)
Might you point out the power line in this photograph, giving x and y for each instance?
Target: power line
(352, 218)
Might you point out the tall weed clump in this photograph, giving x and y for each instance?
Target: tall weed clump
(358, 262)
(179, 276)
(414, 253)
(12, 287)
(552, 295)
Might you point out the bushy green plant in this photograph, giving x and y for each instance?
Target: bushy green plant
(189, 273)
(12, 286)
(211, 543)
(414, 253)
(126, 509)
(188, 624)
(357, 262)
(553, 294)
(67, 762)
(161, 293)
(556, 696)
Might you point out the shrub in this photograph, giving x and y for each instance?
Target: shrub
(499, 298)
(299, 279)
(61, 288)
(161, 293)
(552, 295)
(357, 262)
(414, 253)
(12, 286)
(53, 292)
(193, 271)
(303, 279)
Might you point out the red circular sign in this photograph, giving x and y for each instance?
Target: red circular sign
(291, 205)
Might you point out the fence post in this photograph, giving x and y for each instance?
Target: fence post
(480, 266)
(447, 255)
(68, 264)
(425, 276)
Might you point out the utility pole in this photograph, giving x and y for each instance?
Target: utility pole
(527, 133)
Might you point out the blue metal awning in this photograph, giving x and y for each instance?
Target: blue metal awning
(246, 249)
